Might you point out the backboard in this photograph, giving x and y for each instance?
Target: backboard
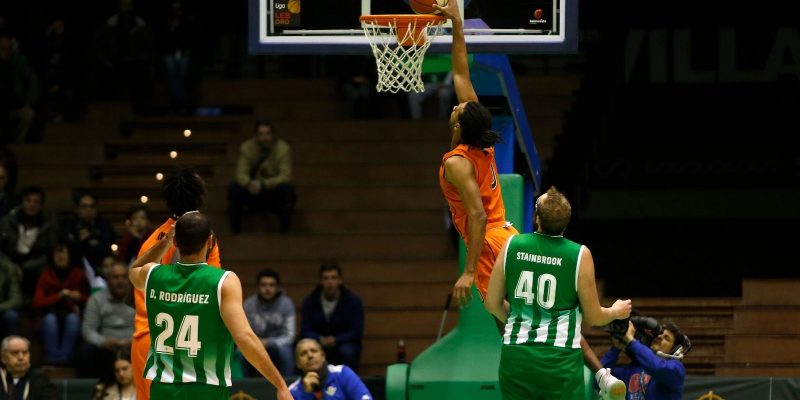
(332, 26)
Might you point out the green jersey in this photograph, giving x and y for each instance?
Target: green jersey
(542, 283)
(189, 342)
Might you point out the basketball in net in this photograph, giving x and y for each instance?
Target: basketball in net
(399, 43)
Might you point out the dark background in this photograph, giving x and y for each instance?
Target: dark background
(680, 154)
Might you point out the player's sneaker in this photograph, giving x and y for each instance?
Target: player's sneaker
(611, 388)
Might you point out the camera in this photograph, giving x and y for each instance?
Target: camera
(646, 328)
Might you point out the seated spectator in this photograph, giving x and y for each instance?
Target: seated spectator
(6, 193)
(61, 291)
(88, 234)
(58, 66)
(263, 178)
(271, 313)
(107, 324)
(121, 386)
(10, 297)
(138, 229)
(27, 237)
(24, 383)
(334, 316)
(19, 91)
(438, 79)
(322, 380)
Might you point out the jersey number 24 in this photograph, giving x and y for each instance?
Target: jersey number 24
(187, 334)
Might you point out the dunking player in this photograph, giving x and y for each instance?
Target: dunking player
(468, 178)
(183, 191)
(468, 174)
(196, 314)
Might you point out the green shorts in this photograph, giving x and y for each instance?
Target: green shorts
(541, 373)
(193, 391)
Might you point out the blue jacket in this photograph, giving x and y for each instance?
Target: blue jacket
(341, 384)
(648, 376)
(346, 323)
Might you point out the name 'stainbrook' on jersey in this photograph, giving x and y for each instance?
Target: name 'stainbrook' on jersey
(535, 258)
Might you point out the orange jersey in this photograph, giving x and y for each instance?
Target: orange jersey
(491, 195)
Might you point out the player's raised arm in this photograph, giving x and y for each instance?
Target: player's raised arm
(461, 82)
(253, 350)
(593, 312)
(142, 265)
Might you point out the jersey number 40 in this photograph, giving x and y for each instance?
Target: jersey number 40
(186, 338)
(545, 286)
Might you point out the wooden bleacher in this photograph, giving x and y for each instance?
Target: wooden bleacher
(368, 198)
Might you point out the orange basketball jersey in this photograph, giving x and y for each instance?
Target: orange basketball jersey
(140, 345)
(491, 195)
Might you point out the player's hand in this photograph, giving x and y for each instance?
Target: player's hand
(170, 234)
(629, 335)
(462, 292)
(450, 10)
(311, 382)
(284, 394)
(621, 309)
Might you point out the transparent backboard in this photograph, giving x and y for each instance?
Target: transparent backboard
(332, 26)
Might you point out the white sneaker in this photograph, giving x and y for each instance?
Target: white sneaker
(611, 388)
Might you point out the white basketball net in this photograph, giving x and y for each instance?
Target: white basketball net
(399, 66)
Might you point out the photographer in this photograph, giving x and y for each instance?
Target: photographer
(321, 380)
(655, 373)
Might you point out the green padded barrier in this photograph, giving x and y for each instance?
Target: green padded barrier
(397, 382)
(464, 363)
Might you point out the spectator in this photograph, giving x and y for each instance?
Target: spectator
(58, 69)
(263, 178)
(271, 313)
(10, 297)
(438, 79)
(107, 324)
(321, 380)
(61, 291)
(28, 235)
(138, 229)
(178, 48)
(24, 383)
(334, 316)
(124, 55)
(6, 193)
(121, 386)
(88, 234)
(9, 161)
(19, 91)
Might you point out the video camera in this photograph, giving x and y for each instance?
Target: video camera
(647, 329)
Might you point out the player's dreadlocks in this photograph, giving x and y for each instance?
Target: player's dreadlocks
(184, 190)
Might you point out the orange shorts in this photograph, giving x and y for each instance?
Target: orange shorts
(139, 348)
(493, 243)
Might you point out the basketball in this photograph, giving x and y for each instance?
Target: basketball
(294, 6)
(425, 6)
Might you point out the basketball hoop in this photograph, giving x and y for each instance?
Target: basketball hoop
(399, 43)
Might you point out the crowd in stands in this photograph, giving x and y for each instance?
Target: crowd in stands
(57, 57)
(64, 289)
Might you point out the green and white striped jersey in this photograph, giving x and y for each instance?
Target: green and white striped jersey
(542, 286)
(189, 342)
